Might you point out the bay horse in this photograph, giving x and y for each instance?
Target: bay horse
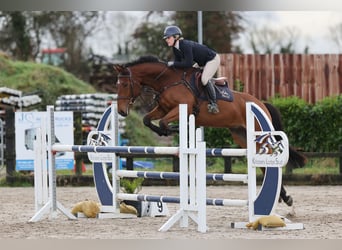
(172, 87)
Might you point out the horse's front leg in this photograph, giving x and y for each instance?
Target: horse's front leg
(164, 129)
(170, 117)
(153, 115)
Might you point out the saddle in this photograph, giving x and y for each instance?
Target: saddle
(221, 87)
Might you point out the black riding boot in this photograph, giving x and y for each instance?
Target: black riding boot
(212, 106)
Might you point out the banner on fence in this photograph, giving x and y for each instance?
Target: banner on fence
(26, 125)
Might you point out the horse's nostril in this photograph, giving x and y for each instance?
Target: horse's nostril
(122, 113)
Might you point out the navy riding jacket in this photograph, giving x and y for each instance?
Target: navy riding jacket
(190, 52)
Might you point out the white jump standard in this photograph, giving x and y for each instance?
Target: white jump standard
(192, 177)
(45, 192)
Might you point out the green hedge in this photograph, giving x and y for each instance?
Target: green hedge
(314, 128)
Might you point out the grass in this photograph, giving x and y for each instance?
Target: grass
(239, 166)
(315, 166)
(320, 166)
(49, 82)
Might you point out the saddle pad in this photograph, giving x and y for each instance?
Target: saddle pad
(222, 91)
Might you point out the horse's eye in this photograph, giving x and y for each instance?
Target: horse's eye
(124, 84)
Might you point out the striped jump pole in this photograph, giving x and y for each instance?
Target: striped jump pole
(173, 199)
(175, 176)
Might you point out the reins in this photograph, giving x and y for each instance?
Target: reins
(182, 81)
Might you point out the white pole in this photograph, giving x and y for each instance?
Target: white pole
(183, 161)
(38, 181)
(201, 182)
(51, 160)
(200, 26)
(115, 179)
(200, 40)
(192, 161)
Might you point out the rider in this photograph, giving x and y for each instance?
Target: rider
(187, 52)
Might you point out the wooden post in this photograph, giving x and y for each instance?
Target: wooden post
(78, 141)
(340, 160)
(175, 164)
(129, 163)
(227, 164)
(10, 144)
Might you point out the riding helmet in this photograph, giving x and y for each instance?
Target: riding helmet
(172, 31)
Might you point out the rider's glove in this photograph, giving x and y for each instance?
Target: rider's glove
(171, 63)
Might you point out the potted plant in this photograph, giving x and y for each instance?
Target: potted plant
(132, 186)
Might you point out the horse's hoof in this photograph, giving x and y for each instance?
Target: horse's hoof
(289, 201)
(174, 128)
(165, 133)
(169, 132)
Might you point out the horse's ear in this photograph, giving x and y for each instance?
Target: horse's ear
(118, 68)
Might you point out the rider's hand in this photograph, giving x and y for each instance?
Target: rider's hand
(171, 63)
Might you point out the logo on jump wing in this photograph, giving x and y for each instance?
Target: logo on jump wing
(99, 139)
(269, 145)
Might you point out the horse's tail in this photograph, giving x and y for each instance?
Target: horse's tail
(296, 158)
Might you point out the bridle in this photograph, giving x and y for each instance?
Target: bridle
(131, 96)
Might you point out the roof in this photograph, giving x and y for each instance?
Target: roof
(53, 51)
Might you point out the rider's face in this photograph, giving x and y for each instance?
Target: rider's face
(170, 41)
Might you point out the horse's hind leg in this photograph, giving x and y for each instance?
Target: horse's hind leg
(283, 196)
(286, 198)
(239, 136)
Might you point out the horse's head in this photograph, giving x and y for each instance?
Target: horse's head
(132, 76)
(128, 89)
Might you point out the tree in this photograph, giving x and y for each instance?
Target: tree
(148, 40)
(220, 28)
(70, 29)
(23, 33)
(148, 36)
(336, 35)
(265, 40)
(15, 35)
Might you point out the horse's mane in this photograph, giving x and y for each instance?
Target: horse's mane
(144, 59)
